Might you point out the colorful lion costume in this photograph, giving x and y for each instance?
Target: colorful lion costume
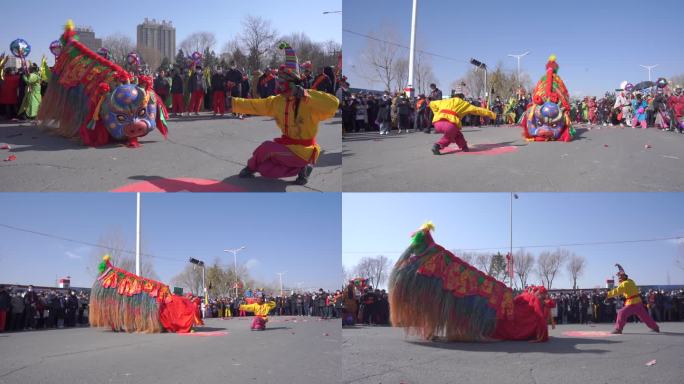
(93, 98)
(548, 116)
(126, 302)
(433, 293)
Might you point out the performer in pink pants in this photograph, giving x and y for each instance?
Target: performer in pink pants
(633, 304)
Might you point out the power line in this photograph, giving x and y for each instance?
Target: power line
(57, 237)
(85, 242)
(544, 245)
(403, 46)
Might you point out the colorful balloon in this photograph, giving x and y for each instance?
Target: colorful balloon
(196, 56)
(104, 52)
(56, 48)
(133, 59)
(20, 48)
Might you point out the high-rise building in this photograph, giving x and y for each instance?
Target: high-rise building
(87, 37)
(158, 35)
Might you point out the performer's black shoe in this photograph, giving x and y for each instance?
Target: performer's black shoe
(303, 176)
(657, 330)
(427, 130)
(435, 149)
(466, 149)
(246, 173)
(616, 332)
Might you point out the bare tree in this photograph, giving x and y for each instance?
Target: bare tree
(483, 262)
(258, 38)
(151, 57)
(523, 262)
(190, 278)
(575, 267)
(374, 269)
(401, 69)
(677, 80)
(679, 258)
(464, 255)
(424, 74)
(379, 58)
(548, 265)
(119, 46)
(198, 42)
(113, 243)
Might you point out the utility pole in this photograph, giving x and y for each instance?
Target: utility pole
(648, 67)
(412, 50)
(234, 252)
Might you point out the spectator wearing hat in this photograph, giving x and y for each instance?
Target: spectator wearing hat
(197, 87)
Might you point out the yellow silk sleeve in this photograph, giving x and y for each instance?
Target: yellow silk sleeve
(260, 107)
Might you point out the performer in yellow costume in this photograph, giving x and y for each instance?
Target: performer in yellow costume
(447, 120)
(297, 112)
(261, 310)
(633, 304)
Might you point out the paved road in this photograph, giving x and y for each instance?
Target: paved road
(381, 355)
(200, 148)
(287, 352)
(606, 159)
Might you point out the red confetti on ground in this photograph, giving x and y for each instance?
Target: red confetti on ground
(647, 146)
(480, 149)
(650, 363)
(605, 145)
(325, 334)
(10, 158)
(205, 334)
(588, 334)
(179, 185)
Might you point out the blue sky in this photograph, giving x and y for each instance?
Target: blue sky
(598, 43)
(44, 20)
(379, 223)
(296, 233)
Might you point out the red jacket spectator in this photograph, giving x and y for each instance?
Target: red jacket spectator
(9, 90)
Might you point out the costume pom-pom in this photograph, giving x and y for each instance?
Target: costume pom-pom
(552, 57)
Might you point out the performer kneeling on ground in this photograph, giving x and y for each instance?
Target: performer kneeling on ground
(261, 310)
(297, 113)
(633, 304)
(447, 120)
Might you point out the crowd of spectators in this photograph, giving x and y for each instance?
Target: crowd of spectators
(321, 303)
(31, 309)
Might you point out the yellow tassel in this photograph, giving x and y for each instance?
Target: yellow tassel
(428, 225)
(106, 257)
(552, 58)
(96, 116)
(69, 25)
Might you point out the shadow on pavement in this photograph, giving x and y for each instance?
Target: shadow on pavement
(374, 136)
(208, 329)
(554, 345)
(328, 159)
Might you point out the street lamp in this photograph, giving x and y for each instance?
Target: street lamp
(234, 252)
(518, 57)
(200, 263)
(280, 274)
(482, 65)
(648, 67)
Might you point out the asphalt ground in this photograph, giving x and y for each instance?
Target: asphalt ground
(199, 150)
(290, 350)
(384, 355)
(603, 159)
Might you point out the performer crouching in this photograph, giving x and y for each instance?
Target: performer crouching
(261, 310)
(297, 112)
(633, 304)
(447, 120)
